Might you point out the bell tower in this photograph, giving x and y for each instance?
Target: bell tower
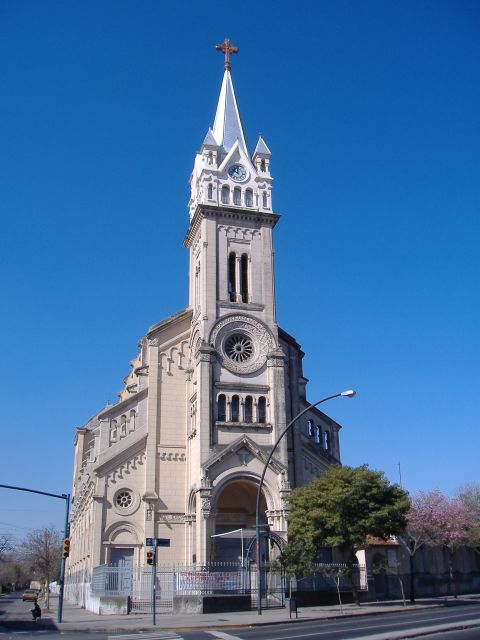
(233, 190)
(237, 384)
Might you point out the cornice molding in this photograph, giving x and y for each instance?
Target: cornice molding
(114, 456)
(227, 213)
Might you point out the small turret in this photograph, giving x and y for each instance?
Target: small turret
(261, 157)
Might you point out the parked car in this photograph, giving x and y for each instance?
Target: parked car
(30, 595)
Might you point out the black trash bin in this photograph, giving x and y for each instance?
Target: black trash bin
(292, 606)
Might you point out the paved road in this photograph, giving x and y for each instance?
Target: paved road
(15, 622)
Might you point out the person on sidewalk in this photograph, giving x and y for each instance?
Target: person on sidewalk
(36, 612)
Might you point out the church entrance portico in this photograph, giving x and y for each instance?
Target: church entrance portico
(235, 519)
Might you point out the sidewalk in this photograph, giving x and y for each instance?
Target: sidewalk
(77, 619)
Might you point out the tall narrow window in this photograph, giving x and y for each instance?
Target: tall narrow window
(232, 288)
(237, 196)
(327, 441)
(248, 409)
(244, 277)
(318, 434)
(210, 192)
(225, 195)
(249, 198)
(262, 410)
(264, 199)
(221, 408)
(235, 409)
(310, 429)
(263, 166)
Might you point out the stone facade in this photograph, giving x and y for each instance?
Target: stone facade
(180, 455)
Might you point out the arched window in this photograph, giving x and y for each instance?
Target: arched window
(235, 409)
(210, 192)
(264, 200)
(244, 277)
(327, 441)
(237, 196)
(248, 409)
(225, 195)
(310, 429)
(263, 166)
(318, 434)
(221, 408)
(249, 198)
(210, 157)
(232, 285)
(262, 410)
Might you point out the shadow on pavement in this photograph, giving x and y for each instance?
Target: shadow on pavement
(28, 625)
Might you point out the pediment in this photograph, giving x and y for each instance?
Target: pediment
(236, 154)
(243, 446)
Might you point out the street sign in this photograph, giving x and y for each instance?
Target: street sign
(163, 542)
(157, 542)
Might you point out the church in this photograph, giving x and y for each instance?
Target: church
(181, 454)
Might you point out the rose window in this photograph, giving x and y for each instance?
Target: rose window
(239, 348)
(124, 499)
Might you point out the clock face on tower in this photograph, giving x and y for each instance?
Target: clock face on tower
(237, 172)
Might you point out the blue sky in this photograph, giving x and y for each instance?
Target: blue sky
(371, 110)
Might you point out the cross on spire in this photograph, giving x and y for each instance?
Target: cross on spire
(227, 49)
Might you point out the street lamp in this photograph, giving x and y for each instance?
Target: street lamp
(348, 394)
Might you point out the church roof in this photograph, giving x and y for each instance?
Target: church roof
(228, 126)
(262, 147)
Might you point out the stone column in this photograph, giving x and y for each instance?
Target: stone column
(150, 495)
(276, 379)
(204, 521)
(98, 549)
(238, 295)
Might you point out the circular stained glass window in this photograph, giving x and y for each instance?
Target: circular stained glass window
(124, 499)
(239, 347)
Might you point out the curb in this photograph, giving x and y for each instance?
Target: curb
(233, 625)
(118, 629)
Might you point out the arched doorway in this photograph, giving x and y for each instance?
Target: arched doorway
(235, 520)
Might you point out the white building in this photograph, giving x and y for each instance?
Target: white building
(181, 453)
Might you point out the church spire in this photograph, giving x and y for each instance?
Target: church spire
(227, 127)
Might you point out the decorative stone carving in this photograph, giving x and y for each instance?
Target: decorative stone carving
(258, 336)
(153, 342)
(206, 506)
(172, 517)
(172, 456)
(126, 468)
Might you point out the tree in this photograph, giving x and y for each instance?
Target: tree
(469, 496)
(41, 551)
(418, 532)
(341, 509)
(436, 520)
(5, 544)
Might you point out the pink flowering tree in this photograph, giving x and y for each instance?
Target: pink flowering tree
(435, 520)
(469, 496)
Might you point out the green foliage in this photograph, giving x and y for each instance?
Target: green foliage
(341, 509)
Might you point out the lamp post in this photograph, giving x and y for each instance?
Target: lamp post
(348, 394)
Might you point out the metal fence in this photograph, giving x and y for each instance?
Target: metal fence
(214, 579)
(327, 576)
